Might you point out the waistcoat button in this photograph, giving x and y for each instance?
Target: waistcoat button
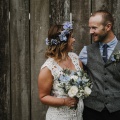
(106, 103)
(106, 88)
(105, 73)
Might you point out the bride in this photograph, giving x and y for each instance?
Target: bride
(59, 57)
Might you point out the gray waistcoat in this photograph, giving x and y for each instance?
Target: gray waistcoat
(106, 80)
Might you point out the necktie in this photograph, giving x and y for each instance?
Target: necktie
(105, 46)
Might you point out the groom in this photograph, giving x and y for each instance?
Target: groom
(104, 70)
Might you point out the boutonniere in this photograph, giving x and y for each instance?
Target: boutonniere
(116, 57)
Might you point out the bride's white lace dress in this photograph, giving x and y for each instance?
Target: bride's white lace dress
(62, 112)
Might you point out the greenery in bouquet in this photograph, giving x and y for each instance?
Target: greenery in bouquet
(75, 83)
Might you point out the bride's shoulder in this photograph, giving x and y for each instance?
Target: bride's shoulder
(48, 63)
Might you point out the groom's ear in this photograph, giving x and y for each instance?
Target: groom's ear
(108, 26)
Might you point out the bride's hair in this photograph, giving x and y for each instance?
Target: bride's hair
(57, 42)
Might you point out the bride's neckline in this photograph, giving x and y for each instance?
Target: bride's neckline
(67, 66)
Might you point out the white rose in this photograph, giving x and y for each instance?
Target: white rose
(73, 91)
(87, 91)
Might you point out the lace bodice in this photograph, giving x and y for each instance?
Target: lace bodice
(56, 70)
(64, 111)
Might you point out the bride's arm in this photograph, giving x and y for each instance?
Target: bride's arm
(45, 82)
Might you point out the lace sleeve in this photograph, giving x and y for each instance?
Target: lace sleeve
(47, 64)
(53, 67)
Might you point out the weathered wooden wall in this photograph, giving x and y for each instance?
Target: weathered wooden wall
(22, 47)
(4, 61)
(39, 25)
(20, 59)
(81, 10)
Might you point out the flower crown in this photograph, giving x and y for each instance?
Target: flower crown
(67, 26)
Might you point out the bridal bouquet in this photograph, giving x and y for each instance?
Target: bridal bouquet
(75, 83)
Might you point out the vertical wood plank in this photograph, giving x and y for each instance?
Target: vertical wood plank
(59, 11)
(81, 10)
(20, 63)
(113, 6)
(4, 61)
(39, 25)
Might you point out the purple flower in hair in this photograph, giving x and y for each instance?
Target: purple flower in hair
(67, 25)
(62, 37)
(47, 41)
(54, 41)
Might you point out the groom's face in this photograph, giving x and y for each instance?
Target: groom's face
(97, 29)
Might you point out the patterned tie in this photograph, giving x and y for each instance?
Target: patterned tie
(105, 46)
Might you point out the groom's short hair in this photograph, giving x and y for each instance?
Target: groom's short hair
(107, 16)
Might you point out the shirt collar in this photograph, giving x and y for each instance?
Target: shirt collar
(111, 43)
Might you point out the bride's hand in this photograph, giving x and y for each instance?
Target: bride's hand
(71, 102)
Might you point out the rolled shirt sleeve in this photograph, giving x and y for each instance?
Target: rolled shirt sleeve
(83, 55)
